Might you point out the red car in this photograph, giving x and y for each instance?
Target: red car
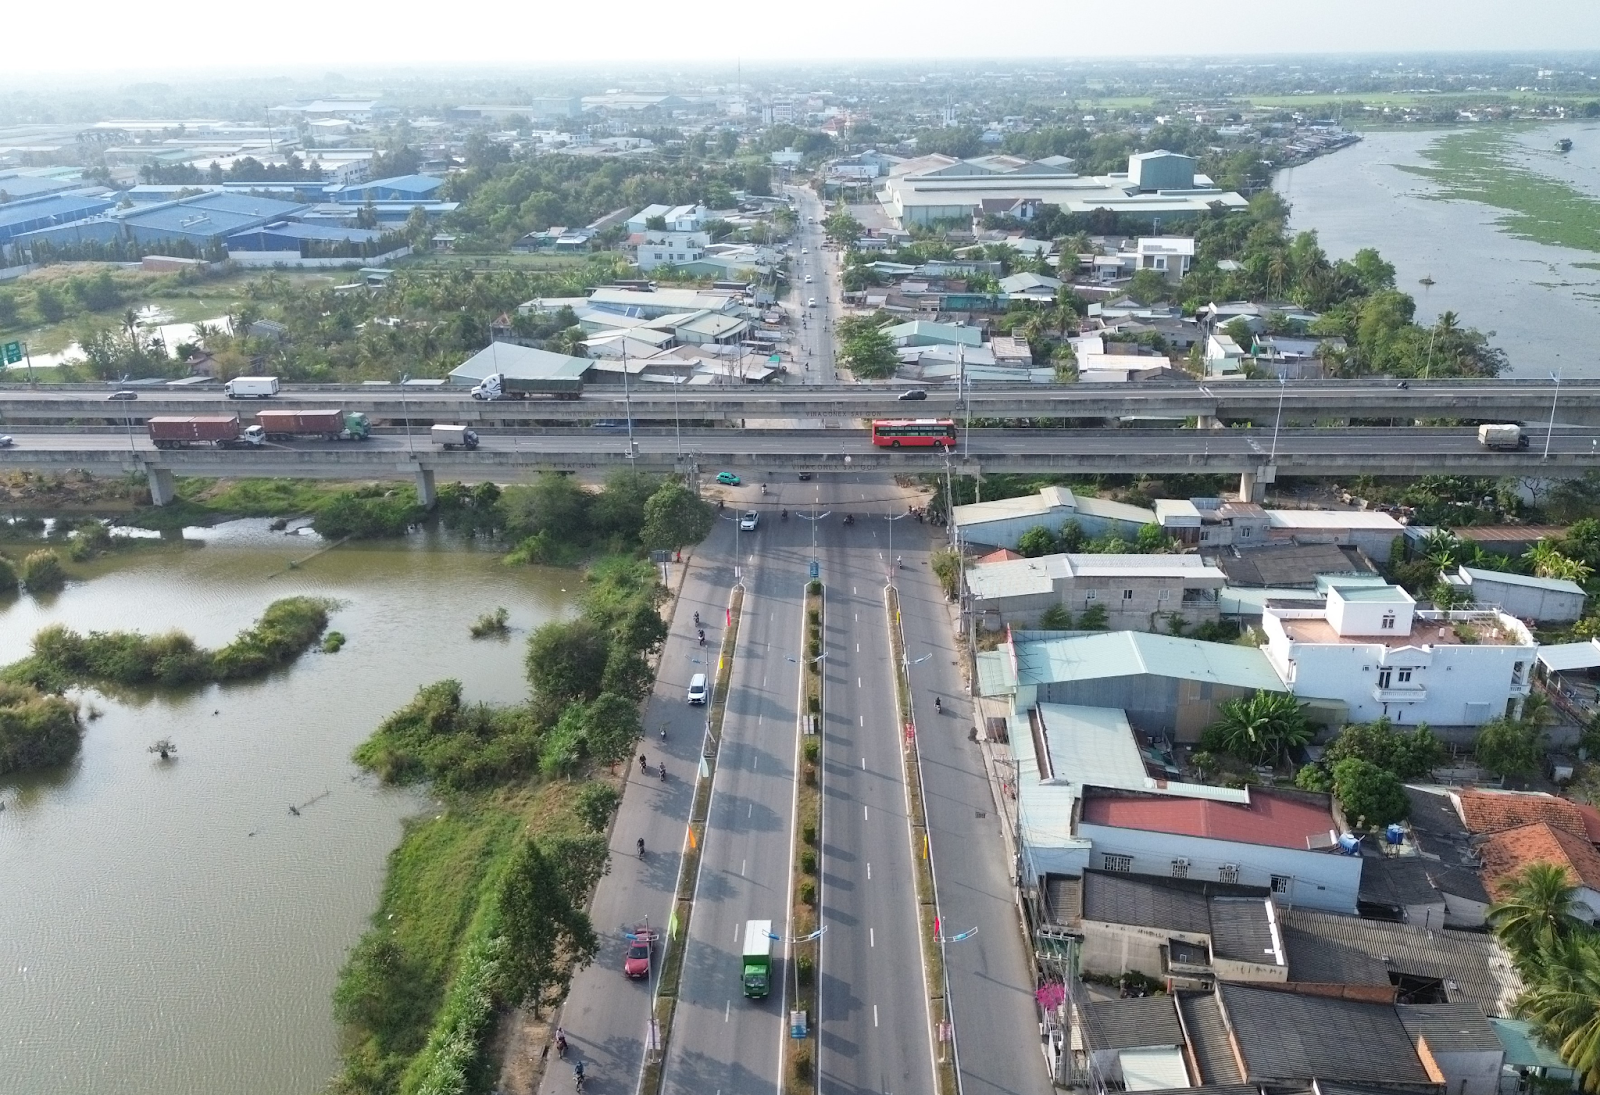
(641, 942)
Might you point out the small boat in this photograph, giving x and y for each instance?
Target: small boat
(1427, 279)
(1564, 144)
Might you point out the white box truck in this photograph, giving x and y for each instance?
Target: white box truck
(454, 437)
(251, 387)
(1504, 436)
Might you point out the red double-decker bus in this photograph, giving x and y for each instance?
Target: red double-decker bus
(895, 432)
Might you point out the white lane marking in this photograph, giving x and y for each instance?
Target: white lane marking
(750, 811)
(752, 762)
(728, 1010)
(858, 682)
(863, 759)
(872, 938)
(736, 933)
(863, 813)
(858, 648)
(874, 1015)
(869, 872)
(858, 617)
(742, 864)
(853, 591)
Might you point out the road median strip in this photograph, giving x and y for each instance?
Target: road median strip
(922, 855)
(800, 1054)
(676, 943)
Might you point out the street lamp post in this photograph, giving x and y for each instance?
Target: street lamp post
(892, 519)
(627, 397)
(1556, 376)
(813, 517)
(1282, 387)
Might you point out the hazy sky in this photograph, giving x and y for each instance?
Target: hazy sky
(97, 37)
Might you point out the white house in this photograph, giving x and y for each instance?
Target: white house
(1371, 649)
(671, 248)
(1224, 358)
(1002, 522)
(1139, 592)
(1169, 255)
(679, 218)
(1282, 839)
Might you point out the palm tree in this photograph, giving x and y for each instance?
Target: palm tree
(1536, 911)
(1260, 729)
(1564, 1005)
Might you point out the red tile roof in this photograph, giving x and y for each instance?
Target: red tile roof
(1488, 812)
(1277, 820)
(1004, 555)
(1591, 816)
(1506, 854)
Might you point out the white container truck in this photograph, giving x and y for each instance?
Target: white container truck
(251, 387)
(1502, 436)
(454, 437)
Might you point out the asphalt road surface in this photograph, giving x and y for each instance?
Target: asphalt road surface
(721, 1040)
(813, 327)
(1257, 444)
(874, 1024)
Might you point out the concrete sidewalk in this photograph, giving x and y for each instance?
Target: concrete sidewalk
(606, 1015)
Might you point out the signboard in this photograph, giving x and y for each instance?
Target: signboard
(797, 1024)
(12, 351)
(816, 570)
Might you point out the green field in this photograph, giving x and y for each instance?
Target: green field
(1477, 165)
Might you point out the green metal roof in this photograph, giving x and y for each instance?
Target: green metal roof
(1523, 1047)
(1128, 653)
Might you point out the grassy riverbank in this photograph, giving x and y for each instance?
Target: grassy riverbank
(484, 907)
(1482, 165)
(63, 658)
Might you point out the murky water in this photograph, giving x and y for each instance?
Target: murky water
(169, 928)
(1543, 307)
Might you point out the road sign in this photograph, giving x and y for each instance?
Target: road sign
(12, 352)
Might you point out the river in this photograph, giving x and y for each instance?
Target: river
(170, 928)
(1541, 305)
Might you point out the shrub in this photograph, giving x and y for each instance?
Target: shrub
(333, 642)
(808, 861)
(491, 623)
(8, 576)
(42, 572)
(594, 804)
(1055, 618)
(808, 832)
(812, 749)
(808, 892)
(36, 730)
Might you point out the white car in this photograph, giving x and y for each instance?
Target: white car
(812, 303)
(749, 521)
(5, 441)
(808, 279)
(803, 251)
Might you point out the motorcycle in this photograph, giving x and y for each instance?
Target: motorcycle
(784, 514)
(702, 637)
(849, 519)
(697, 619)
(663, 773)
(641, 847)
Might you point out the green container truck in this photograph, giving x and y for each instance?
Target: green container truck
(757, 957)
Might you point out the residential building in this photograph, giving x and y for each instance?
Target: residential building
(1283, 840)
(1029, 286)
(1138, 592)
(1507, 854)
(1169, 686)
(671, 248)
(678, 218)
(922, 332)
(1001, 523)
(1437, 839)
(1398, 963)
(1168, 255)
(1010, 352)
(1374, 533)
(1371, 649)
(1543, 600)
(1224, 358)
(1124, 368)
(1184, 932)
(1294, 567)
(1486, 812)
(654, 303)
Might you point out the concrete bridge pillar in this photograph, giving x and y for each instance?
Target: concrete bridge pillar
(1248, 487)
(162, 488)
(426, 495)
(1207, 422)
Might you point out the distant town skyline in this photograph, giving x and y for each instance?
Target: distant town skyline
(105, 40)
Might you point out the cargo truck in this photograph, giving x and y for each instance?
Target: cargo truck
(331, 425)
(251, 387)
(757, 957)
(1502, 437)
(500, 386)
(454, 437)
(219, 431)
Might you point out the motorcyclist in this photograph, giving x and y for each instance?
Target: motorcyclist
(641, 847)
(702, 636)
(938, 705)
(784, 513)
(663, 771)
(643, 767)
(697, 619)
(561, 1042)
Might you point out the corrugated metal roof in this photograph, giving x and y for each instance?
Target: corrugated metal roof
(522, 362)
(1153, 1069)
(1524, 1048)
(1285, 1036)
(1127, 653)
(1138, 1022)
(1556, 585)
(1449, 1028)
(1564, 657)
(1091, 745)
